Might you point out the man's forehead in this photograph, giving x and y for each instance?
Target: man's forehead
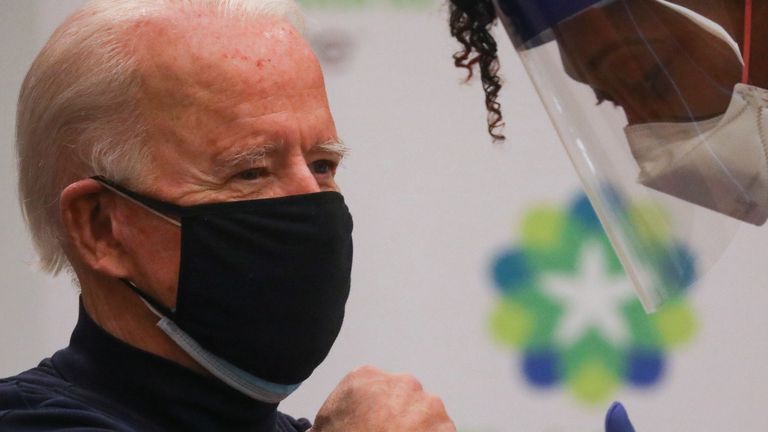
(191, 45)
(194, 59)
(192, 21)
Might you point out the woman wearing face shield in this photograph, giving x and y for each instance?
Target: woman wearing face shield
(659, 103)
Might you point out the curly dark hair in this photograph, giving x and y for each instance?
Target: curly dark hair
(471, 22)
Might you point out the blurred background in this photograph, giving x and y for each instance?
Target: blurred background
(458, 246)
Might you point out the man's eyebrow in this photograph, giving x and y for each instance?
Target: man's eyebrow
(254, 155)
(336, 147)
(249, 156)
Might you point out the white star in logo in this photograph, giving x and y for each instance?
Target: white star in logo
(591, 299)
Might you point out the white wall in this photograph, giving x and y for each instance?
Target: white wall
(29, 314)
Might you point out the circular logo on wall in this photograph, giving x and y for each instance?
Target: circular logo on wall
(568, 311)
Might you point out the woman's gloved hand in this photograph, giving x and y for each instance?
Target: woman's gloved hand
(617, 420)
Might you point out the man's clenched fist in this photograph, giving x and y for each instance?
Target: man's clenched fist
(371, 400)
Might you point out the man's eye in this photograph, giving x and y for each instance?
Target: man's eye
(251, 174)
(323, 166)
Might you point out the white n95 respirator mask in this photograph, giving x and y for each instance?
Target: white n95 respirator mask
(720, 163)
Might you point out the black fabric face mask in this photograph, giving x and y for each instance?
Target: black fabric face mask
(262, 286)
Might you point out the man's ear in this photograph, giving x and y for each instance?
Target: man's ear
(87, 213)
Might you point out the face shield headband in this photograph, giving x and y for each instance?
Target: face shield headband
(532, 21)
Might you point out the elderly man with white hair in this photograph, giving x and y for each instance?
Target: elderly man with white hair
(178, 156)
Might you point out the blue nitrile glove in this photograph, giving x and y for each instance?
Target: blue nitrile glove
(617, 419)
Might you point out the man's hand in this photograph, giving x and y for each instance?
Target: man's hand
(370, 400)
(617, 419)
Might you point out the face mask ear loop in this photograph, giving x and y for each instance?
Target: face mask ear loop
(154, 306)
(747, 40)
(148, 208)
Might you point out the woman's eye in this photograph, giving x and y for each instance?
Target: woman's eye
(251, 174)
(323, 166)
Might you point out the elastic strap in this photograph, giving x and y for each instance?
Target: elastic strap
(162, 209)
(158, 307)
(747, 41)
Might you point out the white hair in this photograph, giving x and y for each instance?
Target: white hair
(78, 115)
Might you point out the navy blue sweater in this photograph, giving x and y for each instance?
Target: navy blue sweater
(99, 383)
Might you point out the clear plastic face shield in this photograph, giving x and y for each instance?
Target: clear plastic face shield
(661, 105)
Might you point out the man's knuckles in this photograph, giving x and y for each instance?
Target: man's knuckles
(407, 382)
(371, 399)
(365, 371)
(370, 375)
(435, 405)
